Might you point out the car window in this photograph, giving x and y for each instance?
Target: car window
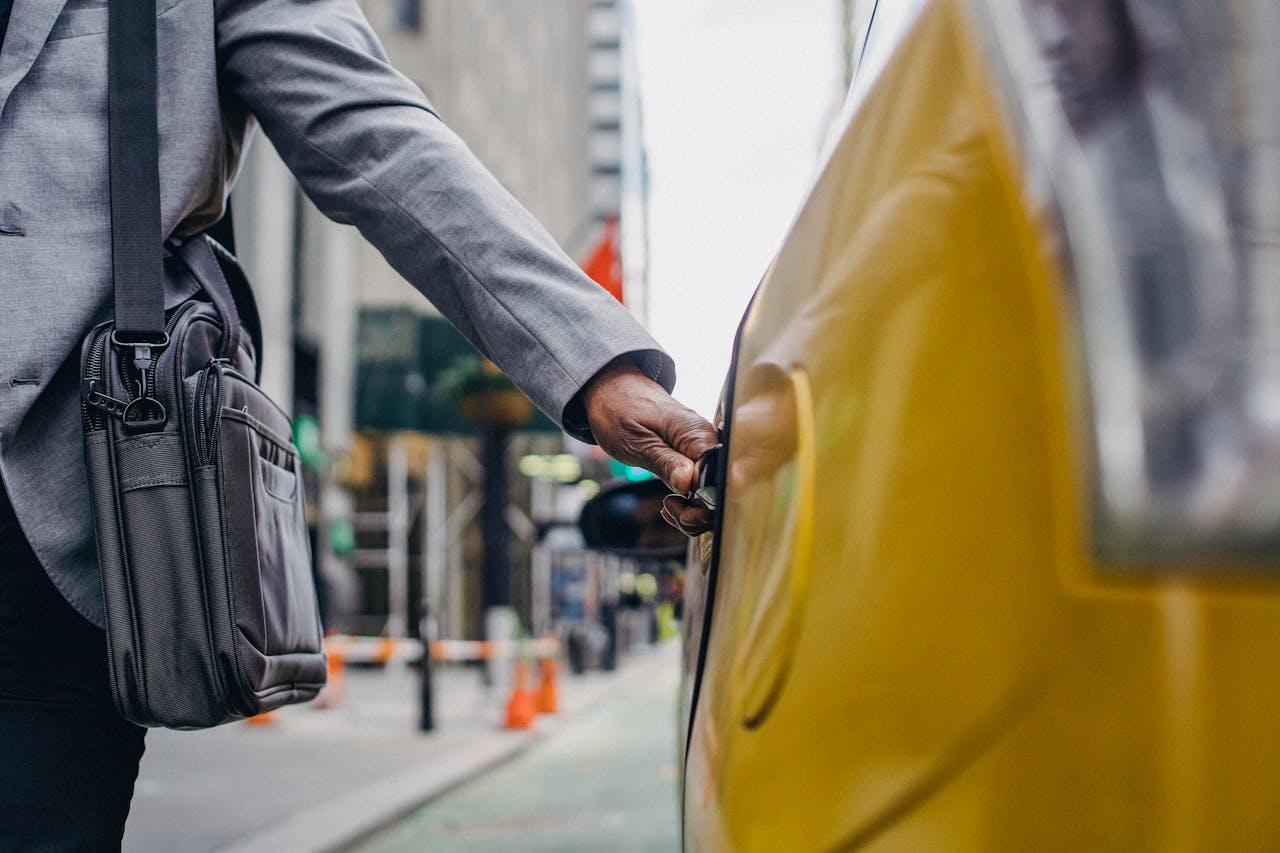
(1149, 129)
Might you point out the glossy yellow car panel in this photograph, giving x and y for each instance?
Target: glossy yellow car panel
(914, 646)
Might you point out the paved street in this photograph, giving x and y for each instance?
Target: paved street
(315, 779)
(605, 782)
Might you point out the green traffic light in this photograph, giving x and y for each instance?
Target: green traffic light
(630, 473)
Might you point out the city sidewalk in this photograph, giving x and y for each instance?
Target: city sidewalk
(317, 780)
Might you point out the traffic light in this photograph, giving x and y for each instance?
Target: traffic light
(630, 473)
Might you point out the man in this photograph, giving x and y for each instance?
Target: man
(369, 150)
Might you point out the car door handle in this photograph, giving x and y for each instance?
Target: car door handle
(762, 665)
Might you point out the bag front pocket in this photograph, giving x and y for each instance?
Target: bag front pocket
(267, 574)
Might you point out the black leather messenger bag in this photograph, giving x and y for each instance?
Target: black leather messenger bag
(196, 486)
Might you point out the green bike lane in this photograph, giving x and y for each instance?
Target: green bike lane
(605, 781)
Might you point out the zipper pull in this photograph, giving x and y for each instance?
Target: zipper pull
(98, 400)
(142, 357)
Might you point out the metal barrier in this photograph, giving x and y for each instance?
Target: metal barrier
(355, 649)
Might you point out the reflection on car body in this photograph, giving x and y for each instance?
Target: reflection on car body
(1167, 312)
(998, 561)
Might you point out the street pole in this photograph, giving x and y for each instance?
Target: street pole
(493, 518)
(499, 619)
(542, 507)
(435, 548)
(426, 704)
(397, 537)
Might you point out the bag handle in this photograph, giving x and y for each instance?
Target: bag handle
(242, 299)
(222, 279)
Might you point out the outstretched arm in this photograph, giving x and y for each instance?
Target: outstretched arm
(369, 150)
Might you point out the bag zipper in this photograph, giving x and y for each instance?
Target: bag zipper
(94, 402)
(206, 425)
(150, 377)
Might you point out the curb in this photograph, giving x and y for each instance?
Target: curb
(339, 823)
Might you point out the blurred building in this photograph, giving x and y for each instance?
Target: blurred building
(546, 95)
(848, 43)
(855, 21)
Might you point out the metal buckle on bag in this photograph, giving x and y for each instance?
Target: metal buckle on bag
(144, 413)
(142, 358)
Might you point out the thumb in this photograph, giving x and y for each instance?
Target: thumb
(675, 469)
(685, 437)
(681, 473)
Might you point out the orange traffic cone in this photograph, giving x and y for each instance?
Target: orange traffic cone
(521, 707)
(548, 696)
(335, 689)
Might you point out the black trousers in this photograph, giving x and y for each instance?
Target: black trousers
(67, 760)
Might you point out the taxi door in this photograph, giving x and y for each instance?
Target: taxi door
(996, 562)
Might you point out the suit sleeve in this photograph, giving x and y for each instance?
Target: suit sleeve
(370, 151)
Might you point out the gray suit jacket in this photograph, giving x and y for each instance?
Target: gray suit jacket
(365, 145)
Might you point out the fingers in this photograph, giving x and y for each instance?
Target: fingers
(695, 519)
(668, 441)
(672, 467)
(690, 434)
(686, 436)
(636, 421)
(666, 511)
(691, 519)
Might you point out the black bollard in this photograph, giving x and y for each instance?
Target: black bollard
(576, 649)
(609, 621)
(426, 708)
(426, 719)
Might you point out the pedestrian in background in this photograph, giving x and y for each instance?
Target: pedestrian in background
(369, 150)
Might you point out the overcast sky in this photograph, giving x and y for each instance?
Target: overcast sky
(737, 98)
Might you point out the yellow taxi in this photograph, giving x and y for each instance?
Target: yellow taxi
(997, 561)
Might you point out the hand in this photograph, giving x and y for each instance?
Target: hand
(638, 423)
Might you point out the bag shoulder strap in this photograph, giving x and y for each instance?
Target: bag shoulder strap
(137, 261)
(137, 248)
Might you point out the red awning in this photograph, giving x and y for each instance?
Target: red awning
(603, 264)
